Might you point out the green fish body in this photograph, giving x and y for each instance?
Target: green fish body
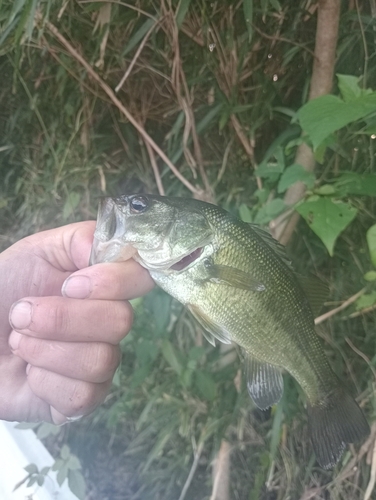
(239, 284)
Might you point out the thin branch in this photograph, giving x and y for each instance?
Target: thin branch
(363, 311)
(107, 89)
(362, 355)
(282, 39)
(372, 478)
(192, 471)
(349, 301)
(135, 57)
(221, 468)
(154, 166)
(132, 7)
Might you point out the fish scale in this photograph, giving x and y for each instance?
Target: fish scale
(239, 284)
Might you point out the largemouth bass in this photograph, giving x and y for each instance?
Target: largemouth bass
(239, 284)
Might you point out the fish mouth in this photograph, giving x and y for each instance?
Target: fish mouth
(187, 260)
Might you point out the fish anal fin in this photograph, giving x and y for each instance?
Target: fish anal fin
(232, 276)
(213, 331)
(335, 421)
(264, 382)
(315, 290)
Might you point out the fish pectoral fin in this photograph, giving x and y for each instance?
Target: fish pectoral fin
(212, 330)
(234, 277)
(264, 382)
(315, 290)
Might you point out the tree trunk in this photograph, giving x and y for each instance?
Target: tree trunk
(321, 84)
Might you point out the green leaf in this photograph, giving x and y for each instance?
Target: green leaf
(77, 484)
(47, 430)
(276, 430)
(269, 170)
(65, 452)
(327, 218)
(365, 301)
(146, 351)
(182, 11)
(61, 475)
(40, 479)
(73, 463)
(293, 174)
(196, 353)
(349, 87)
(171, 357)
(205, 385)
(138, 36)
(371, 242)
(269, 211)
(71, 203)
(245, 213)
(31, 469)
(26, 425)
(248, 17)
(370, 276)
(326, 190)
(358, 184)
(322, 116)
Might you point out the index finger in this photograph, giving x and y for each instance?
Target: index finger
(109, 281)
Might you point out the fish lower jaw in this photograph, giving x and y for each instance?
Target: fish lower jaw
(172, 267)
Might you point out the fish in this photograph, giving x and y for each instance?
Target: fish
(239, 284)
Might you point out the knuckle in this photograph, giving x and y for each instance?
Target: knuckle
(34, 349)
(59, 319)
(103, 361)
(37, 379)
(84, 397)
(120, 318)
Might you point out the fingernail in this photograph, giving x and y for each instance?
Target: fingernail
(14, 340)
(77, 287)
(20, 315)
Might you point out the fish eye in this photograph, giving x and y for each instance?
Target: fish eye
(138, 204)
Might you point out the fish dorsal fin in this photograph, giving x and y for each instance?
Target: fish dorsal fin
(213, 331)
(315, 290)
(232, 276)
(264, 382)
(273, 243)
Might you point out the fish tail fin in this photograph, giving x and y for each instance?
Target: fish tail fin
(334, 421)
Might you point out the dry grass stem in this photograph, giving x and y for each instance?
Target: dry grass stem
(55, 32)
(135, 57)
(221, 473)
(332, 312)
(154, 166)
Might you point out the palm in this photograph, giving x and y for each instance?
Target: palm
(25, 271)
(62, 361)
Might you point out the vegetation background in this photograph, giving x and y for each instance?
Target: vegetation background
(211, 100)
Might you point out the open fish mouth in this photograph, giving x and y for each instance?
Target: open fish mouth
(187, 260)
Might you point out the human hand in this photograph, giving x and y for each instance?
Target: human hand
(60, 350)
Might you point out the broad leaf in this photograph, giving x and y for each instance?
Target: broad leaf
(269, 211)
(293, 174)
(322, 116)
(358, 184)
(371, 241)
(327, 218)
(248, 16)
(349, 87)
(206, 385)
